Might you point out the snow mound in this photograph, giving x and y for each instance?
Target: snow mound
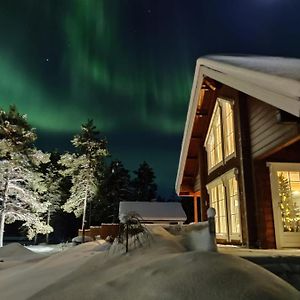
(15, 250)
(154, 273)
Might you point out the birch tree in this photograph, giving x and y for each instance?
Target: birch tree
(20, 182)
(84, 167)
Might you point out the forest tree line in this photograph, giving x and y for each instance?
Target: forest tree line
(35, 186)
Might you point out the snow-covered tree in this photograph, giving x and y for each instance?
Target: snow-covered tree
(21, 184)
(84, 167)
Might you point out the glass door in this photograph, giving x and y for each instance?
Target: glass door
(234, 216)
(285, 185)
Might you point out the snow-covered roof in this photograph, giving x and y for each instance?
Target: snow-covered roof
(274, 80)
(153, 211)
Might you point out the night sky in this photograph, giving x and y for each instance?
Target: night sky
(127, 64)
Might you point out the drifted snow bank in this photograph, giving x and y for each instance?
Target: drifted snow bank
(15, 253)
(165, 270)
(15, 250)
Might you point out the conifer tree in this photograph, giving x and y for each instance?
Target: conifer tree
(115, 187)
(21, 183)
(53, 184)
(84, 167)
(143, 184)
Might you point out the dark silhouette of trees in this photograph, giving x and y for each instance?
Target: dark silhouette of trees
(114, 187)
(144, 186)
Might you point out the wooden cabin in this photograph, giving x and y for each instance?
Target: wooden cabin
(153, 212)
(241, 148)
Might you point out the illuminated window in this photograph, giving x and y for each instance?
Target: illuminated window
(220, 142)
(214, 142)
(217, 201)
(289, 195)
(228, 128)
(234, 206)
(224, 198)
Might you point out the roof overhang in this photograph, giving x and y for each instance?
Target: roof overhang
(273, 88)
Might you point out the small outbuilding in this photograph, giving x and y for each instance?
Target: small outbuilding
(153, 212)
(241, 148)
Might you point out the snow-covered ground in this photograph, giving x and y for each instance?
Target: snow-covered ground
(239, 251)
(165, 270)
(49, 249)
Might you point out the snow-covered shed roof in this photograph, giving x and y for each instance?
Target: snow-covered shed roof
(153, 211)
(274, 80)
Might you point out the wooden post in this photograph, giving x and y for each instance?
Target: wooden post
(195, 209)
(203, 181)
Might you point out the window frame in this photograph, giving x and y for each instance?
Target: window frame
(219, 107)
(215, 183)
(233, 154)
(224, 180)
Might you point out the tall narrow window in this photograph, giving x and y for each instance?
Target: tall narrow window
(228, 128)
(235, 228)
(220, 143)
(214, 142)
(217, 197)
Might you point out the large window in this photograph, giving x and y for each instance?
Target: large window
(224, 198)
(214, 143)
(219, 143)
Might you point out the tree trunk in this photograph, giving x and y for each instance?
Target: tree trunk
(84, 215)
(48, 223)
(2, 216)
(2, 223)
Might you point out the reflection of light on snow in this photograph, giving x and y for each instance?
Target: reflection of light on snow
(40, 249)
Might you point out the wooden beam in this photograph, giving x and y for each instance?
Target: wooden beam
(185, 188)
(202, 112)
(203, 181)
(278, 148)
(192, 157)
(209, 84)
(195, 208)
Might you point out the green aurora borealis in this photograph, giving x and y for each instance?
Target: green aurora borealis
(85, 62)
(127, 64)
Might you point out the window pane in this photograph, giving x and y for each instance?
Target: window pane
(214, 142)
(234, 206)
(294, 176)
(289, 195)
(223, 225)
(228, 128)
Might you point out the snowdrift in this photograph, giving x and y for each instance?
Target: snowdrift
(159, 273)
(14, 250)
(165, 270)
